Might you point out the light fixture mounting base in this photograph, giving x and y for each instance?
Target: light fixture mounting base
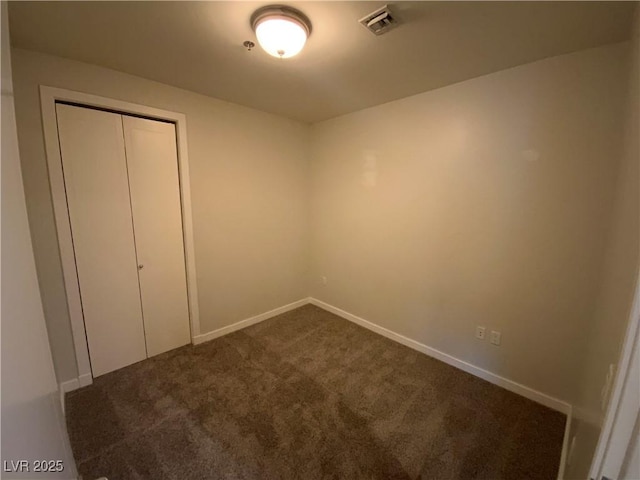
(282, 11)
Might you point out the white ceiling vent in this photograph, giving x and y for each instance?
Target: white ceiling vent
(380, 21)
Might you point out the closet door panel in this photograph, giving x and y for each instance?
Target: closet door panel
(95, 175)
(152, 161)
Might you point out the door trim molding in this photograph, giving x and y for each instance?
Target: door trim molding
(48, 98)
(622, 409)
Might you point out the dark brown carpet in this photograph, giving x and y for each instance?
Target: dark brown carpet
(306, 395)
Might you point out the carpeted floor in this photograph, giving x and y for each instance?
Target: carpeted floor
(306, 395)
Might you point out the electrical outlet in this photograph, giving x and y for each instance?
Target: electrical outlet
(480, 333)
(323, 280)
(496, 337)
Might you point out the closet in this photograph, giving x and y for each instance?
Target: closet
(123, 198)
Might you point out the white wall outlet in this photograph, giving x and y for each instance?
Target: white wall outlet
(323, 280)
(480, 333)
(496, 337)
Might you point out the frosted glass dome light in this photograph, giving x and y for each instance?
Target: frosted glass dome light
(281, 31)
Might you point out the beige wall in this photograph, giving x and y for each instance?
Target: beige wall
(33, 426)
(618, 279)
(482, 203)
(485, 203)
(249, 174)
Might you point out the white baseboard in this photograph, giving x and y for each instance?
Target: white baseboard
(73, 384)
(76, 383)
(566, 445)
(205, 337)
(515, 387)
(63, 403)
(84, 380)
(70, 385)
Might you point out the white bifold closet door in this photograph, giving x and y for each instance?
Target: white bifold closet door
(123, 196)
(152, 160)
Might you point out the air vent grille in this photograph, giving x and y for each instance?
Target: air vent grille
(380, 21)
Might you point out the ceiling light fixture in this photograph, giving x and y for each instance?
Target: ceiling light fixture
(281, 31)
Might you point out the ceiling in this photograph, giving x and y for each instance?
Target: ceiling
(198, 46)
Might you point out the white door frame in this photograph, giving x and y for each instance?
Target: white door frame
(622, 411)
(48, 98)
